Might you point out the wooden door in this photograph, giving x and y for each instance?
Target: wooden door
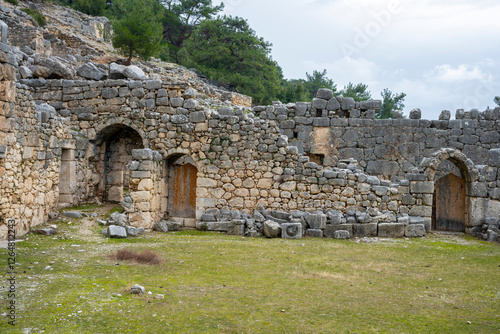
(183, 204)
(450, 206)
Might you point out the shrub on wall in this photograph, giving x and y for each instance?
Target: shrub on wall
(14, 2)
(36, 15)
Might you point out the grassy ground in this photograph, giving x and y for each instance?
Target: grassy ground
(215, 283)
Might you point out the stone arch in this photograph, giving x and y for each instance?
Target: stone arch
(180, 177)
(114, 145)
(451, 203)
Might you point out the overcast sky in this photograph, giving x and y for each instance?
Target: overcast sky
(444, 54)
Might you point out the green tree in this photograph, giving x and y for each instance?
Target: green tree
(358, 92)
(390, 103)
(318, 80)
(183, 16)
(497, 100)
(137, 27)
(293, 90)
(227, 50)
(91, 7)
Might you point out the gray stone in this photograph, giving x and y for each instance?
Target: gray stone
(131, 231)
(329, 231)
(90, 71)
(317, 221)
(137, 290)
(144, 154)
(333, 104)
(382, 167)
(342, 235)
(161, 226)
(45, 231)
(391, 230)
(272, 229)
(119, 219)
(72, 214)
(494, 157)
(324, 93)
(58, 69)
(217, 226)
(314, 233)
(415, 230)
(290, 231)
(197, 117)
(445, 115)
(426, 187)
(416, 114)
(365, 230)
(319, 103)
(134, 73)
(236, 227)
(348, 103)
(118, 232)
(174, 226)
(25, 72)
(335, 217)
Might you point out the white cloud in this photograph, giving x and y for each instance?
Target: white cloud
(449, 74)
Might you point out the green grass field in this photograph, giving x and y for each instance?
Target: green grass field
(214, 283)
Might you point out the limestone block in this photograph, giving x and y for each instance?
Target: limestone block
(144, 154)
(422, 187)
(324, 93)
(207, 183)
(290, 231)
(341, 235)
(330, 230)
(391, 230)
(494, 157)
(145, 185)
(416, 114)
(271, 229)
(161, 226)
(141, 219)
(140, 196)
(115, 194)
(422, 211)
(317, 221)
(265, 184)
(319, 103)
(365, 230)
(117, 232)
(314, 233)
(236, 227)
(288, 186)
(414, 230)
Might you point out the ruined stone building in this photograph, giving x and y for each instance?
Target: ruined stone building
(75, 130)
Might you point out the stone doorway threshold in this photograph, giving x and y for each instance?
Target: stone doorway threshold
(447, 233)
(186, 222)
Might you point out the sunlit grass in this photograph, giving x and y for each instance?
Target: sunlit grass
(218, 283)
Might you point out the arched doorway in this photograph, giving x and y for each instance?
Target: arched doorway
(453, 175)
(181, 177)
(115, 144)
(449, 209)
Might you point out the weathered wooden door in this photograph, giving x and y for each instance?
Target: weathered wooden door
(183, 204)
(449, 204)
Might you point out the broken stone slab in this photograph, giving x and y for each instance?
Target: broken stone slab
(137, 290)
(365, 230)
(58, 69)
(314, 233)
(90, 71)
(341, 235)
(174, 226)
(236, 227)
(291, 231)
(72, 214)
(134, 73)
(415, 230)
(45, 231)
(316, 221)
(386, 230)
(119, 219)
(272, 229)
(118, 232)
(417, 220)
(329, 231)
(161, 226)
(116, 71)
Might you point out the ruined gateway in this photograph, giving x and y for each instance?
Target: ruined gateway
(167, 145)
